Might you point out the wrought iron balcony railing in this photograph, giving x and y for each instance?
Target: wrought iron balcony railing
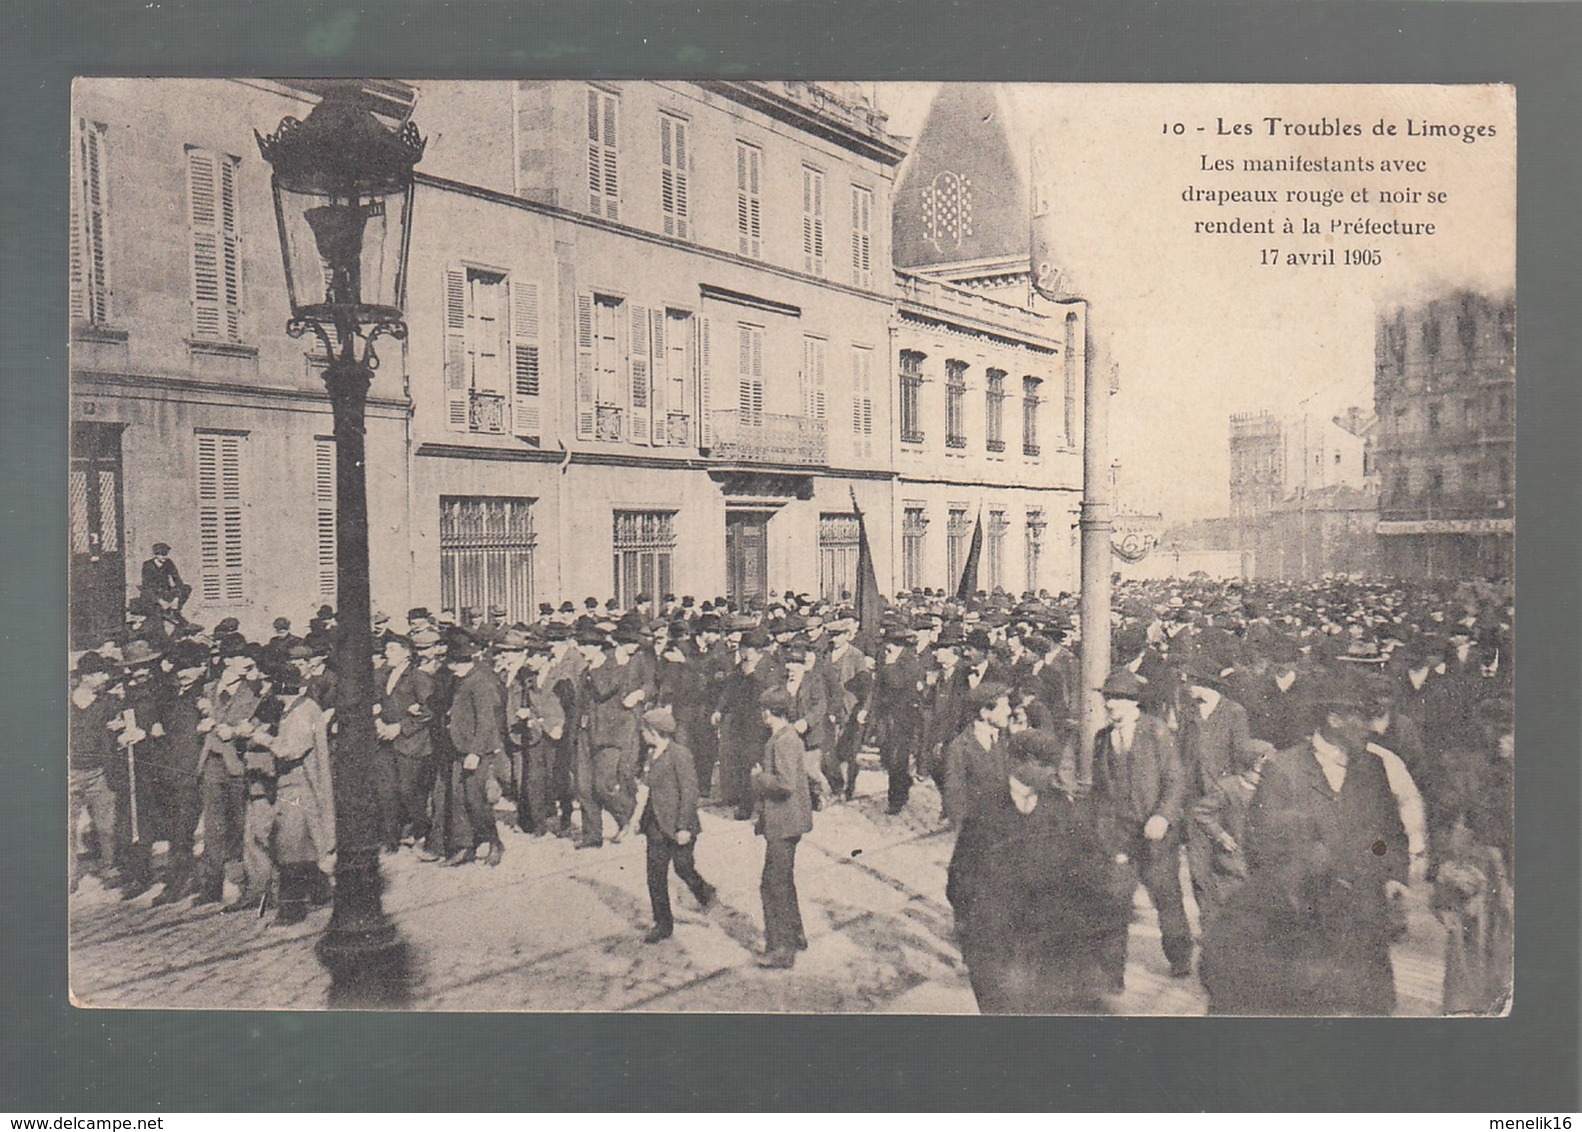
(770, 438)
(485, 412)
(607, 423)
(1030, 449)
(677, 432)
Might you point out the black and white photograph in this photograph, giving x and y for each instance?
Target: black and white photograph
(791, 547)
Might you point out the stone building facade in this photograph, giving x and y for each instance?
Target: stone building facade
(1445, 394)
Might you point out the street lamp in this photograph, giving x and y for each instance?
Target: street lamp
(343, 202)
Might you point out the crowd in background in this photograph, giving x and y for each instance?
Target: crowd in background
(1298, 756)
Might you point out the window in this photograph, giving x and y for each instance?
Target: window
(1502, 471)
(602, 384)
(1431, 337)
(324, 514)
(674, 351)
(1433, 416)
(216, 246)
(1504, 406)
(673, 158)
(749, 205)
(492, 379)
(750, 374)
(220, 546)
(486, 554)
(812, 220)
(914, 525)
(911, 390)
(90, 285)
(955, 404)
(1436, 482)
(1030, 403)
(994, 410)
(861, 236)
(645, 545)
(994, 540)
(1034, 547)
(957, 532)
(862, 400)
(815, 352)
(604, 190)
(1469, 412)
(838, 546)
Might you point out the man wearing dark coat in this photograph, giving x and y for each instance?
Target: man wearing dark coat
(406, 742)
(1326, 847)
(897, 725)
(785, 813)
(161, 581)
(476, 725)
(670, 820)
(1137, 775)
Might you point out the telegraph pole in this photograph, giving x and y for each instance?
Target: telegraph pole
(1096, 527)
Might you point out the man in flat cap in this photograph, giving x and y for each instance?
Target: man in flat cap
(161, 582)
(670, 820)
(785, 813)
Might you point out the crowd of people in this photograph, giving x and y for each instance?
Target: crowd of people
(1297, 756)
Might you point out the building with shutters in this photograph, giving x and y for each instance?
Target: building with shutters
(987, 380)
(195, 420)
(649, 332)
(650, 327)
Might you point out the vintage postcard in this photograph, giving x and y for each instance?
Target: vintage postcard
(792, 547)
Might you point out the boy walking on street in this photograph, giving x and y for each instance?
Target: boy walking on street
(670, 820)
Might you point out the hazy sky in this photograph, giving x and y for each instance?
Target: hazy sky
(1199, 328)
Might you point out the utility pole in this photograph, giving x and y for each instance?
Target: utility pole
(1096, 526)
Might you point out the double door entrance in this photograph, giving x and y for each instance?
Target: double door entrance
(746, 555)
(97, 577)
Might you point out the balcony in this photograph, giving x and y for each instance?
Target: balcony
(1030, 449)
(769, 438)
(1462, 505)
(607, 423)
(982, 309)
(486, 412)
(677, 430)
(994, 445)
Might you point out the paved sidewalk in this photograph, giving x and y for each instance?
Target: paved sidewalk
(557, 929)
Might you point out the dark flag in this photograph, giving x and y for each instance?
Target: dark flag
(870, 606)
(969, 573)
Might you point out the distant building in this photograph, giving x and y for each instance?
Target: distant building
(1303, 494)
(987, 388)
(1445, 395)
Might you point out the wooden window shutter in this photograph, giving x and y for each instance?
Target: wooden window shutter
(230, 251)
(526, 403)
(682, 156)
(203, 213)
(660, 379)
(220, 516)
(324, 516)
(457, 383)
(584, 374)
(640, 429)
(78, 281)
(673, 175)
(813, 388)
(705, 381)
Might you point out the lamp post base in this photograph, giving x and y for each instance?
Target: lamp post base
(368, 963)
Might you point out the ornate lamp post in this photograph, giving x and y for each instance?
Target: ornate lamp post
(343, 201)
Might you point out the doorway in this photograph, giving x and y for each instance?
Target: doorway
(746, 555)
(98, 559)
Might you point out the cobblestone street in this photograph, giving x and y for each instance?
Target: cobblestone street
(555, 929)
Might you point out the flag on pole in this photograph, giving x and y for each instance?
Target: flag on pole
(870, 606)
(969, 572)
